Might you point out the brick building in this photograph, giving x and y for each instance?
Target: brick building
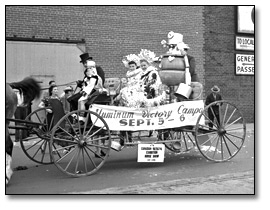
(50, 39)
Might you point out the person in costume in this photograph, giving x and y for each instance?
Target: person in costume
(176, 46)
(91, 87)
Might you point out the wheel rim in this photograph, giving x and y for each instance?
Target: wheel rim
(76, 149)
(226, 138)
(36, 147)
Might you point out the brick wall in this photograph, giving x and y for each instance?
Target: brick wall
(219, 47)
(111, 32)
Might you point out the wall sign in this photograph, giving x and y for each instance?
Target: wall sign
(244, 43)
(244, 64)
(246, 19)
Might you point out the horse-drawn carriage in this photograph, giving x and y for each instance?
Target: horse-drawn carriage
(80, 150)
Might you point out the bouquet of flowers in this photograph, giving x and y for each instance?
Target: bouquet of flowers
(147, 55)
(131, 57)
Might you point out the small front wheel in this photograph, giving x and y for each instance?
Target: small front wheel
(222, 137)
(82, 148)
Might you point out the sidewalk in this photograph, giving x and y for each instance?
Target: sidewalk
(233, 183)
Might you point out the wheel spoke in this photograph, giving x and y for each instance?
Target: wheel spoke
(75, 153)
(84, 161)
(39, 149)
(95, 132)
(214, 114)
(77, 161)
(72, 129)
(235, 129)
(227, 126)
(97, 139)
(225, 114)
(235, 136)
(65, 155)
(216, 148)
(228, 149)
(93, 151)
(90, 158)
(230, 116)
(65, 140)
(221, 148)
(232, 142)
(44, 149)
(34, 144)
(209, 120)
(69, 133)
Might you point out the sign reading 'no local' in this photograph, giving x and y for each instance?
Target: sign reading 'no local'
(244, 64)
(244, 43)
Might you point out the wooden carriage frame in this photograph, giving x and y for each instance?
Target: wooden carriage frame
(76, 149)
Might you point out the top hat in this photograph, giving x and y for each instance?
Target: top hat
(215, 89)
(174, 38)
(84, 57)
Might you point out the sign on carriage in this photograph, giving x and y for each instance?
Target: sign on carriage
(151, 118)
(244, 64)
(151, 153)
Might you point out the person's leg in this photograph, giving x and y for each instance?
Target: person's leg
(81, 106)
(211, 117)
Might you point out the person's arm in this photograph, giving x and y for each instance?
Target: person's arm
(42, 105)
(192, 69)
(132, 73)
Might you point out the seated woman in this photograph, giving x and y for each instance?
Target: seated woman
(144, 89)
(53, 100)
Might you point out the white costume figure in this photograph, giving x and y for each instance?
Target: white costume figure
(175, 44)
(92, 81)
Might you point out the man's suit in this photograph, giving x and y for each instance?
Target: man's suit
(212, 97)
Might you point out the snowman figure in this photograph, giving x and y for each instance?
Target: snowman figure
(175, 44)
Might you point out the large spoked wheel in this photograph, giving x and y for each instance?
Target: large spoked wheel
(36, 146)
(222, 137)
(179, 141)
(81, 149)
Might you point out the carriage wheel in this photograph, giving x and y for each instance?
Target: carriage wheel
(36, 146)
(225, 139)
(180, 141)
(81, 149)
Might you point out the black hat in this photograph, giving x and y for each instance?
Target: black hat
(84, 57)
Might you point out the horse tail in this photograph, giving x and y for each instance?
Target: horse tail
(29, 87)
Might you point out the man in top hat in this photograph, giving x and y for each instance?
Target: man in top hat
(212, 97)
(73, 100)
(84, 58)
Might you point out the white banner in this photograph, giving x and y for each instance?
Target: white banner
(152, 118)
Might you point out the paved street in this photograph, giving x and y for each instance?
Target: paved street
(233, 183)
(188, 173)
